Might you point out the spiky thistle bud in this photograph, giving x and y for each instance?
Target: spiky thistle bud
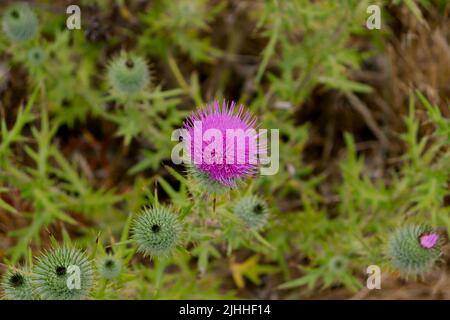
(252, 211)
(36, 56)
(128, 74)
(337, 264)
(156, 231)
(63, 274)
(414, 249)
(16, 285)
(20, 23)
(109, 267)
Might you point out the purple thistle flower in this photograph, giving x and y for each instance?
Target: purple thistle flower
(429, 240)
(217, 154)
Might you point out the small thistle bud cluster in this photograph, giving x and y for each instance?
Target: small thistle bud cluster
(252, 211)
(414, 249)
(16, 285)
(19, 23)
(55, 270)
(128, 74)
(109, 267)
(36, 56)
(156, 231)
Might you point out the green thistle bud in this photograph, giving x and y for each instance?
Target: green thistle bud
(16, 285)
(414, 249)
(205, 183)
(156, 231)
(109, 267)
(128, 75)
(337, 264)
(20, 23)
(252, 211)
(63, 274)
(36, 56)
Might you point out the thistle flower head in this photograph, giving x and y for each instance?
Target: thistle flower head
(414, 249)
(128, 74)
(19, 22)
(156, 231)
(252, 211)
(109, 267)
(16, 285)
(429, 240)
(63, 274)
(222, 143)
